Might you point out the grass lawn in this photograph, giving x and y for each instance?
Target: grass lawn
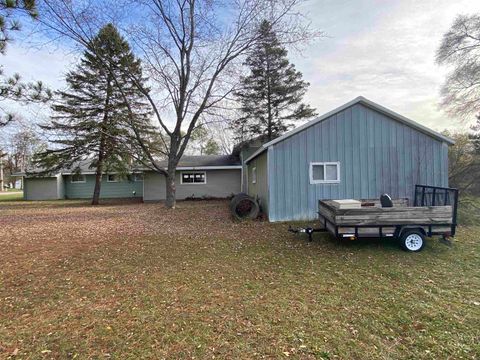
(131, 281)
(11, 196)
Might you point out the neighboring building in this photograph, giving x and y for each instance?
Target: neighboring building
(197, 177)
(359, 150)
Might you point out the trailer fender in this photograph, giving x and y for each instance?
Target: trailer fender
(401, 230)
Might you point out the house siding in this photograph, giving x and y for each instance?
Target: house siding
(260, 188)
(244, 155)
(377, 154)
(124, 188)
(220, 184)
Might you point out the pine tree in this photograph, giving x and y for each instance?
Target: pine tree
(8, 22)
(12, 88)
(92, 121)
(271, 95)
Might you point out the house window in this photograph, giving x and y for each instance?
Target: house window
(78, 178)
(112, 178)
(324, 172)
(254, 175)
(193, 177)
(137, 177)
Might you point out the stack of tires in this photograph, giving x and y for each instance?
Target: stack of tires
(244, 207)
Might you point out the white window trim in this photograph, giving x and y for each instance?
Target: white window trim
(312, 181)
(193, 172)
(111, 181)
(254, 175)
(78, 182)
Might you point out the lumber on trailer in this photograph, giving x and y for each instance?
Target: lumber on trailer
(347, 204)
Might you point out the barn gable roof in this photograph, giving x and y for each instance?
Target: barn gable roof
(359, 100)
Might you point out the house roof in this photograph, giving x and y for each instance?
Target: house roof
(358, 100)
(205, 162)
(253, 143)
(187, 162)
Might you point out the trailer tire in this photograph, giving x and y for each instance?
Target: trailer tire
(412, 240)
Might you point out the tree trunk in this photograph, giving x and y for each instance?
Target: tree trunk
(98, 184)
(1, 172)
(102, 146)
(170, 185)
(269, 102)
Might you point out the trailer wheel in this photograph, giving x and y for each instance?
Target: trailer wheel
(412, 240)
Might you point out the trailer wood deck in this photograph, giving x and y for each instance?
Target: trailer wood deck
(434, 212)
(382, 221)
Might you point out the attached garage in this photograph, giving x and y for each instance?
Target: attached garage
(47, 188)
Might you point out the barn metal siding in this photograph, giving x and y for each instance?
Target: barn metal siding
(377, 154)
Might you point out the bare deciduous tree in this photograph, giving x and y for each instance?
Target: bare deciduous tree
(191, 49)
(460, 48)
(464, 162)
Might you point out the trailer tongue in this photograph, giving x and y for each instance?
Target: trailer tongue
(434, 212)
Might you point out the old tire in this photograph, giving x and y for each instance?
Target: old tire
(412, 240)
(235, 199)
(244, 207)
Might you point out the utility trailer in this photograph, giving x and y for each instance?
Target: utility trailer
(434, 212)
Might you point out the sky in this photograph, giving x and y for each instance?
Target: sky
(382, 50)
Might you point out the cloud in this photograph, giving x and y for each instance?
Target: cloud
(384, 51)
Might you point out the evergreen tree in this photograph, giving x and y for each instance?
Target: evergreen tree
(9, 22)
(92, 121)
(211, 148)
(271, 95)
(12, 87)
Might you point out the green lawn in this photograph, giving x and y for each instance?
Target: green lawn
(10, 197)
(132, 281)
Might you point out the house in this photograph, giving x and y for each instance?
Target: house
(244, 150)
(197, 177)
(359, 150)
(214, 176)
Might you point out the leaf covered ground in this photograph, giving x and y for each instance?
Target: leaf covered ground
(131, 280)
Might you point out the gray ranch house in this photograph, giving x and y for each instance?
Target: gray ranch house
(196, 177)
(359, 150)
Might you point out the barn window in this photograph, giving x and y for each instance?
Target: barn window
(324, 172)
(78, 178)
(254, 175)
(197, 177)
